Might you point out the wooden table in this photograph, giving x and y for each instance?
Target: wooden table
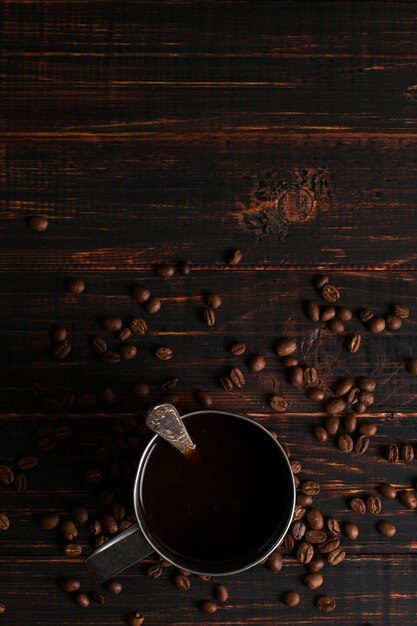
(153, 132)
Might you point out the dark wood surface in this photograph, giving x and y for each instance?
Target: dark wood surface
(167, 131)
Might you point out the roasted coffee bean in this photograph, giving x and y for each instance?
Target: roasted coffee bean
(114, 586)
(314, 519)
(70, 585)
(393, 322)
(388, 491)
(128, 351)
(213, 300)
(349, 423)
(368, 429)
(412, 366)
(99, 345)
(310, 487)
(110, 357)
(329, 545)
(204, 398)
(366, 384)
(274, 562)
(63, 432)
(305, 553)
(124, 334)
(238, 348)
(344, 314)
(141, 294)
(51, 404)
(207, 606)
(226, 383)
(351, 530)
(345, 443)
(315, 536)
(408, 499)
(407, 453)
(118, 447)
(118, 510)
(334, 406)
(366, 315)
(165, 270)
(288, 542)
(315, 394)
(95, 527)
(75, 286)
(124, 524)
(49, 521)
(376, 324)
(392, 453)
(291, 599)
(327, 604)
(209, 317)
(27, 462)
(182, 582)
(286, 449)
(331, 424)
(336, 326)
(296, 466)
(312, 311)
(46, 444)
(327, 313)
(299, 512)
(82, 600)
(111, 323)
(61, 350)
(286, 346)
(310, 375)
(366, 397)
(60, 334)
(316, 564)
(320, 434)
(94, 475)
(221, 593)
(4, 522)
(336, 556)
(256, 363)
(68, 400)
(98, 597)
(330, 293)
(361, 445)
(38, 223)
(234, 257)
(298, 530)
(2, 608)
(278, 404)
(153, 305)
(373, 505)
(69, 529)
(320, 280)
(358, 506)
(100, 540)
(20, 482)
(333, 526)
(135, 619)
(80, 514)
(352, 395)
(154, 571)
(6, 475)
(360, 407)
(301, 497)
(354, 343)
(164, 353)
(87, 400)
(313, 581)
(138, 326)
(73, 549)
(386, 528)
(169, 384)
(140, 390)
(106, 396)
(342, 387)
(401, 311)
(296, 376)
(204, 577)
(237, 377)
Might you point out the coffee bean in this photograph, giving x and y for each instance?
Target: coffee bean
(310, 487)
(124, 334)
(152, 305)
(296, 466)
(345, 443)
(238, 348)
(366, 315)
(315, 536)
(327, 604)
(316, 564)
(386, 528)
(140, 390)
(226, 383)
(204, 398)
(256, 363)
(82, 600)
(376, 324)
(94, 475)
(351, 530)
(388, 491)
(63, 432)
(366, 384)
(60, 334)
(61, 350)
(20, 482)
(114, 586)
(141, 294)
(207, 606)
(99, 345)
(329, 545)
(288, 542)
(221, 593)
(165, 270)
(352, 395)
(237, 377)
(336, 556)
(4, 521)
(366, 397)
(330, 293)
(373, 505)
(95, 527)
(185, 268)
(49, 521)
(333, 526)
(320, 280)
(304, 553)
(100, 540)
(358, 506)
(342, 387)
(310, 375)
(334, 406)
(302, 498)
(124, 524)
(38, 223)
(296, 376)
(344, 314)
(299, 512)
(110, 357)
(349, 423)
(138, 326)
(46, 444)
(154, 571)
(285, 347)
(315, 394)
(128, 351)
(27, 462)
(313, 581)
(331, 424)
(87, 400)
(320, 434)
(312, 311)
(106, 396)
(135, 619)
(278, 404)
(361, 445)
(234, 257)
(354, 343)
(314, 519)
(335, 326)
(51, 404)
(80, 514)
(368, 429)
(412, 366)
(360, 407)
(393, 322)
(408, 499)
(209, 317)
(73, 549)
(298, 530)
(291, 599)
(327, 313)
(75, 286)
(98, 597)
(213, 300)
(401, 311)
(287, 450)
(69, 529)
(6, 475)
(118, 511)
(182, 582)
(392, 453)
(70, 585)
(164, 353)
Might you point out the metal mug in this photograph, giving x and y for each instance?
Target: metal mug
(138, 541)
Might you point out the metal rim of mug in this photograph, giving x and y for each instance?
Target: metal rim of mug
(181, 566)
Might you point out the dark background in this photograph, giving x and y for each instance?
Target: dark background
(168, 131)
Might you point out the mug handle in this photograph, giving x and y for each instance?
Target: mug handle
(118, 554)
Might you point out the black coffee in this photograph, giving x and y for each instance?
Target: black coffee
(229, 499)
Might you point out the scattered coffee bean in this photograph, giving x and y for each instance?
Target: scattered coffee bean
(4, 521)
(366, 315)
(46, 444)
(401, 311)
(213, 300)
(315, 536)
(27, 462)
(329, 545)
(80, 514)
(376, 324)
(69, 529)
(366, 397)
(234, 257)
(298, 530)
(327, 313)
(51, 404)
(310, 375)
(49, 521)
(412, 366)
(60, 334)
(336, 326)
(20, 482)
(100, 540)
(310, 487)
(204, 577)
(358, 506)
(366, 384)
(63, 432)
(128, 351)
(95, 527)
(296, 466)
(226, 383)
(386, 528)
(342, 387)
(94, 475)
(320, 434)
(393, 322)
(361, 445)
(287, 449)
(291, 599)
(330, 293)
(316, 564)
(368, 429)
(2, 608)
(256, 363)
(238, 348)
(152, 305)
(98, 597)
(75, 286)
(299, 512)
(164, 353)
(360, 407)
(285, 347)
(407, 453)
(313, 581)
(288, 542)
(111, 323)
(221, 593)
(135, 619)
(110, 357)
(350, 422)
(331, 424)
(392, 453)
(345, 443)
(204, 398)
(154, 571)
(408, 499)
(61, 350)
(165, 270)
(73, 549)
(274, 562)
(336, 556)
(99, 345)
(124, 334)
(38, 223)
(344, 314)
(333, 526)
(185, 268)
(209, 317)
(354, 343)
(207, 606)
(114, 586)
(106, 396)
(168, 385)
(327, 604)
(320, 280)
(315, 394)
(373, 505)
(314, 519)
(388, 491)
(70, 585)
(352, 395)
(140, 390)
(87, 400)
(237, 377)
(351, 530)
(334, 406)
(312, 311)
(182, 582)
(141, 294)
(138, 326)
(278, 404)
(82, 600)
